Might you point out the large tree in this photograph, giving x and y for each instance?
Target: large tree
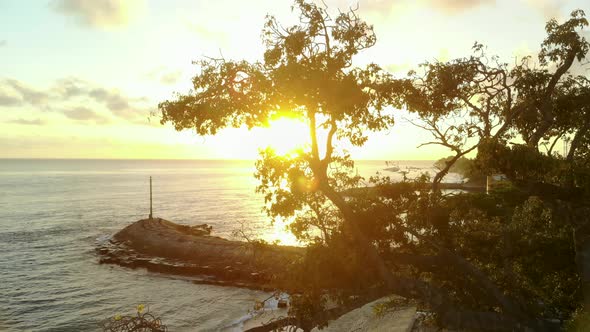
(403, 238)
(508, 113)
(306, 73)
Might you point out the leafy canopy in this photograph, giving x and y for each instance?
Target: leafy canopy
(306, 72)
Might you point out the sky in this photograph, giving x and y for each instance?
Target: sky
(82, 78)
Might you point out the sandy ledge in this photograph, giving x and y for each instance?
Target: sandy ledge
(362, 319)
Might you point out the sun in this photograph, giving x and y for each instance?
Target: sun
(285, 135)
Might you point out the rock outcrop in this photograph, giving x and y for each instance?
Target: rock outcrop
(163, 246)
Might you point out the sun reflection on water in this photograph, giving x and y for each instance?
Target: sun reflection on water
(280, 234)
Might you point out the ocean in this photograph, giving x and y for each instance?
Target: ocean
(54, 213)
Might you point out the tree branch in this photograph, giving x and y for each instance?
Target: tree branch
(546, 105)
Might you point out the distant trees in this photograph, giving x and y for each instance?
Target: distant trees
(512, 260)
(464, 166)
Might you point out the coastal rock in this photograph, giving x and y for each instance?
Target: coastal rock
(165, 247)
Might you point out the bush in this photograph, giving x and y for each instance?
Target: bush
(141, 322)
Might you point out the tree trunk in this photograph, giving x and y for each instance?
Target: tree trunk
(351, 225)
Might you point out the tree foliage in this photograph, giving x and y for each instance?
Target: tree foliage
(510, 260)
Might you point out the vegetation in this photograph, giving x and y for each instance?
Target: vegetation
(514, 260)
(464, 166)
(141, 322)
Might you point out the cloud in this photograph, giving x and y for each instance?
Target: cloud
(112, 99)
(387, 6)
(166, 77)
(170, 77)
(363, 5)
(457, 6)
(70, 87)
(27, 94)
(548, 8)
(9, 100)
(16, 93)
(131, 109)
(210, 31)
(84, 114)
(77, 100)
(35, 122)
(99, 13)
(115, 102)
(3, 43)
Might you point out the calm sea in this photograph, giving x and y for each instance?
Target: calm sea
(53, 213)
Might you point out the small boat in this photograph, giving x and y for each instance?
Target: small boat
(393, 167)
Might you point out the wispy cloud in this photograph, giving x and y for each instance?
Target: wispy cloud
(548, 8)
(164, 76)
(77, 99)
(210, 31)
(456, 6)
(100, 13)
(113, 99)
(70, 87)
(387, 6)
(7, 99)
(170, 77)
(85, 114)
(33, 122)
(26, 93)
(118, 104)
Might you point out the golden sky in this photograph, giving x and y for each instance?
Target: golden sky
(79, 78)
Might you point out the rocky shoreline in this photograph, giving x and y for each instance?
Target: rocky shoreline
(165, 247)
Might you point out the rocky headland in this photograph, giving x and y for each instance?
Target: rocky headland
(162, 246)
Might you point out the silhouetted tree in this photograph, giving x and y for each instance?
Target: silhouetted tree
(307, 73)
(484, 262)
(481, 103)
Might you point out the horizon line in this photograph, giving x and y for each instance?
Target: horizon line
(185, 159)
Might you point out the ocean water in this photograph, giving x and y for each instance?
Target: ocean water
(53, 214)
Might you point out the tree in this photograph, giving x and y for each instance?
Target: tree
(403, 238)
(480, 103)
(307, 73)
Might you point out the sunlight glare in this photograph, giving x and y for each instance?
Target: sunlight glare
(285, 135)
(281, 234)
